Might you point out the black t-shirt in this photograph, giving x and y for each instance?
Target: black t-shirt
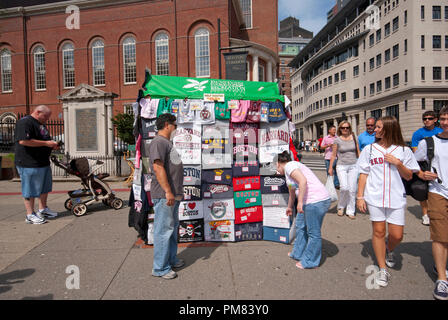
(29, 128)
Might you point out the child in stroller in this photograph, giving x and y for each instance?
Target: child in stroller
(94, 188)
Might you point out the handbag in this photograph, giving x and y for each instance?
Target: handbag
(329, 185)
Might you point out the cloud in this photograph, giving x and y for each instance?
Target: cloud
(311, 13)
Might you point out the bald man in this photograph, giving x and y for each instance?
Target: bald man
(33, 149)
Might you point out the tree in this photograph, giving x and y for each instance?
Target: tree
(125, 126)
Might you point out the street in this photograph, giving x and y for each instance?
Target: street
(42, 261)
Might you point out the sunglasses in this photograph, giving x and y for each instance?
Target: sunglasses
(174, 124)
(429, 118)
(438, 179)
(343, 128)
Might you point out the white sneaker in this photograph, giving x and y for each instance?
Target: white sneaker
(382, 278)
(425, 220)
(34, 219)
(48, 213)
(390, 258)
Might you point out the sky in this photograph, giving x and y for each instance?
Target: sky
(311, 13)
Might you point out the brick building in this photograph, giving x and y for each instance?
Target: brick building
(43, 54)
(292, 39)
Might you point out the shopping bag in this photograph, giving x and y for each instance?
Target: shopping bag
(331, 189)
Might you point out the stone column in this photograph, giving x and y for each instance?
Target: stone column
(255, 74)
(314, 132)
(110, 128)
(66, 127)
(325, 128)
(269, 72)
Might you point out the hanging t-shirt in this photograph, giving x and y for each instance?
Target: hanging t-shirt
(219, 176)
(244, 133)
(206, 115)
(192, 175)
(273, 184)
(254, 112)
(149, 130)
(250, 198)
(276, 217)
(276, 112)
(164, 106)
(268, 154)
(175, 106)
(216, 191)
(215, 137)
(245, 151)
(264, 112)
(275, 199)
(191, 210)
(187, 141)
(249, 215)
(222, 230)
(216, 160)
(246, 183)
(149, 108)
(240, 114)
(219, 209)
(244, 168)
(222, 111)
(268, 169)
(185, 114)
(192, 193)
(273, 134)
(191, 230)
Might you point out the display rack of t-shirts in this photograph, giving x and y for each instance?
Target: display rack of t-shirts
(273, 138)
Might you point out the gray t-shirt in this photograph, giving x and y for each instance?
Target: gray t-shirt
(162, 149)
(346, 151)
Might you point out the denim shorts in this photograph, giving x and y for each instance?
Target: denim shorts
(35, 181)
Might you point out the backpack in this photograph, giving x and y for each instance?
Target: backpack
(416, 187)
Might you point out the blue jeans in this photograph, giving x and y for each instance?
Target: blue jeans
(308, 245)
(335, 175)
(166, 223)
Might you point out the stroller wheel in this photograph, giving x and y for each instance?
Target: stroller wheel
(68, 204)
(79, 209)
(117, 204)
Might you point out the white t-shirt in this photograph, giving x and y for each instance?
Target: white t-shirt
(315, 190)
(439, 162)
(384, 187)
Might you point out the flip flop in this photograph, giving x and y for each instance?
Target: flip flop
(299, 265)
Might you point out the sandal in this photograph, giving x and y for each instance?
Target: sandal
(299, 265)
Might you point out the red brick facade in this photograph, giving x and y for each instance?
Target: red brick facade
(111, 21)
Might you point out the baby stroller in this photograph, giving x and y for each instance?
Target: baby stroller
(94, 189)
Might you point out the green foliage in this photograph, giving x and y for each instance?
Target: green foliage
(125, 124)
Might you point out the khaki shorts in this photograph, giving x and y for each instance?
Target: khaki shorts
(438, 216)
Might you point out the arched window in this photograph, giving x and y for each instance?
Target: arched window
(99, 78)
(202, 52)
(39, 68)
(129, 61)
(68, 65)
(162, 55)
(6, 70)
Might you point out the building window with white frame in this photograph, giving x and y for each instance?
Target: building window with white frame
(162, 54)
(202, 52)
(39, 68)
(246, 7)
(68, 65)
(129, 61)
(6, 70)
(260, 73)
(99, 78)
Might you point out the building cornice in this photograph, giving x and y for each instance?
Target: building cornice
(349, 107)
(263, 51)
(58, 7)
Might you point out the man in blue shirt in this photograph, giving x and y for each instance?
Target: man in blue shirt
(428, 130)
(368, 136)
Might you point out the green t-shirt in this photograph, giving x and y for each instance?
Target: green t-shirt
(249, 198)
(164, 106)
(222, 111)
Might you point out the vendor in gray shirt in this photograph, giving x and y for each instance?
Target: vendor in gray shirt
(346, 149)
(166, 194)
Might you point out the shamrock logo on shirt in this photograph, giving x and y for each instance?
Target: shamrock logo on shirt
(199, 86)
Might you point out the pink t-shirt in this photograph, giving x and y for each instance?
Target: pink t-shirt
(315, 190)
(328, 151)
(240, 114)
